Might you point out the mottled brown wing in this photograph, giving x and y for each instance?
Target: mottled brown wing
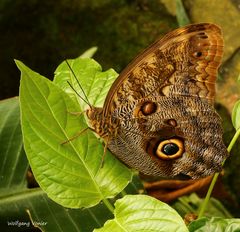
(184, 63)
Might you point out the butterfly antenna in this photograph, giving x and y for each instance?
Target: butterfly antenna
(79, 94)
(85, 100)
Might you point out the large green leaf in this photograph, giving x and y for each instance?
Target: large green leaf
(145, 214)
(70, 173)
(17, 201)
(215, 224)
(236, 115)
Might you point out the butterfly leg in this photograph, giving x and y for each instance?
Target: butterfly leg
(77, 113)
(104, 153)
(75, 136)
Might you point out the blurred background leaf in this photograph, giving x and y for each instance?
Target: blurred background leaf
(215, 224)
(236, 115)
(191, 204)
(14, 164)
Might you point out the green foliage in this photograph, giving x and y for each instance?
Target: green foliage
(93, 80)
(191, 203)
(215, 224)
(47, 214)
(16, 198)
(70, 173)
(236, 115)
(181, 14)
(13, 160)
(143, 213)
(89, 53)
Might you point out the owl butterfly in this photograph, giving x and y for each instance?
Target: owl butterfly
(159, 115)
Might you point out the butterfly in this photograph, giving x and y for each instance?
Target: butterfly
(159, 116)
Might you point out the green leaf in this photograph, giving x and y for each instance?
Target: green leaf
(236, 115)
(192, 203)
(143, 213)
(215, 224)
(13, 161)
(47, 214)
(89, 53)
(16, 199)
(70, 173)
(181, 14)
(95, 83)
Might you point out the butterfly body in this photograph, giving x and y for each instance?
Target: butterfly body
(158, 116)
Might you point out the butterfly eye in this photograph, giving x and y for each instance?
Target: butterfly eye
(148, 108)
(170, 149)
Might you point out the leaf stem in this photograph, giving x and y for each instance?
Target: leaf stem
(108, 205)
(214, 180)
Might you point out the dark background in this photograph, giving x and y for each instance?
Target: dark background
(44, 33)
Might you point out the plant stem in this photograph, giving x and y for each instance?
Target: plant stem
(209, 192)
(108, 205)
(234, 139)
(214, 180)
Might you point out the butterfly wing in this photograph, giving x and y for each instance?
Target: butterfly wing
(184, 62)
(158, 116)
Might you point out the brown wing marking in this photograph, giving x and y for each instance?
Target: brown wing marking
(184, 62)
